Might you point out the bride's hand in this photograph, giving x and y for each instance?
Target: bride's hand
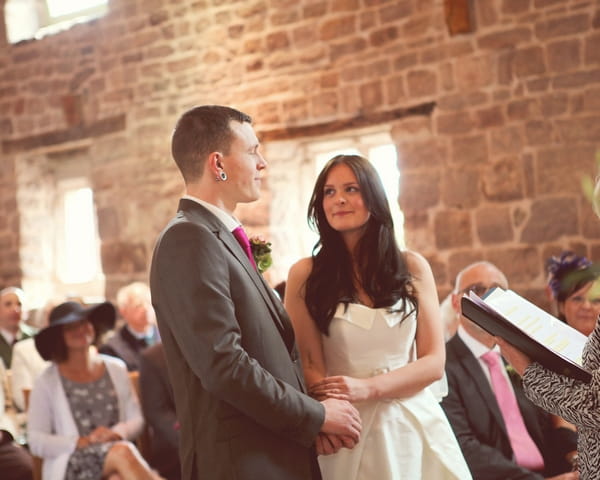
(341, 387)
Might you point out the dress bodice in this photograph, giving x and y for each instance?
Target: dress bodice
(365, 341)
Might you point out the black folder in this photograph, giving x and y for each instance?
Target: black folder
(476, 310)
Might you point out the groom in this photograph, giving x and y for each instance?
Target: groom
(229, 344)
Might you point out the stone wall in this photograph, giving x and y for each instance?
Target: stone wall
(494, 127)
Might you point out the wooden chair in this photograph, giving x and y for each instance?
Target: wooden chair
(144, 440)
(37, 461)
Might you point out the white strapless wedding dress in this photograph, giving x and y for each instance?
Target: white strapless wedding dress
(401, 439)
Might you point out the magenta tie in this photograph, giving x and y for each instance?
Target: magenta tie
(242, 238)
(526, 451)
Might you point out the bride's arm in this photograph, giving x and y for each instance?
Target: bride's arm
(415, 376)
(308, 336)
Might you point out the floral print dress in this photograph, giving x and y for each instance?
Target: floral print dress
(92, 404)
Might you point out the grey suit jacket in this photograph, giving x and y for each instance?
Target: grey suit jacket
(232, 358)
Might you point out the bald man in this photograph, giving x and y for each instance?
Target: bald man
(532, 452)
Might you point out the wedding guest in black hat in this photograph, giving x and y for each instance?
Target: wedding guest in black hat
(83, 412)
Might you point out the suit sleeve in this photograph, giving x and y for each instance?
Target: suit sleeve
(157, 404)
(485, 461)
(192, 279)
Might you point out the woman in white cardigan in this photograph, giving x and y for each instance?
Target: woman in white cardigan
(83, 411)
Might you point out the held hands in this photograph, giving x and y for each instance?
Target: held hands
(341, 427)
(515, 357)
(328, 444)
(99, 435)
(342, 388)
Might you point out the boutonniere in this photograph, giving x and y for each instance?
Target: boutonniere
(261, 251)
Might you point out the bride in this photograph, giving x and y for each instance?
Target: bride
(367, 322)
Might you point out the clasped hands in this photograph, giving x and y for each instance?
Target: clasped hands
(342, 424)
(98, 435)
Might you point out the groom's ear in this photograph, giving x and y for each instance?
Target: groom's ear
(214, 165)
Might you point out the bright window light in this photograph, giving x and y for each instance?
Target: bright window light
(59, 8)
(79, 262)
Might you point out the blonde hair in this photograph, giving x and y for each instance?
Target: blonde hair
(132, 292)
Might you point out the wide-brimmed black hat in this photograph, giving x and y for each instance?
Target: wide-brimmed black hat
(102, 316)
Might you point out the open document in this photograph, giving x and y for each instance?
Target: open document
(539, 335)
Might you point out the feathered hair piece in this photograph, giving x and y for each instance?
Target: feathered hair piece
(566, 271)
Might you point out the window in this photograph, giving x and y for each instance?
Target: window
(62, 8)
(27, 19)
(78, 266)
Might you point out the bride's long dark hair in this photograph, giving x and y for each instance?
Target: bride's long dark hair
(381, 266)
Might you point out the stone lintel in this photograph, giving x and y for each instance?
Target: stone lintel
(366, 119)
(79, 132)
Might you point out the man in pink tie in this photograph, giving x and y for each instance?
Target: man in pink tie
(230, 347)
(501, 433)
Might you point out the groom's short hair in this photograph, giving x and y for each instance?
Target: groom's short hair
(199, 132)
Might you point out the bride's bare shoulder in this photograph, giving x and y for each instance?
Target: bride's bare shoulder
(301, 269)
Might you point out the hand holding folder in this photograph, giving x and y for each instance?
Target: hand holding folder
(536, 333)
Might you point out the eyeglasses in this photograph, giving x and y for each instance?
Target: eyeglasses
(479, 289)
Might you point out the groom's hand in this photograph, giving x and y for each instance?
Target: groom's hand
(341, 419)
(328, 444)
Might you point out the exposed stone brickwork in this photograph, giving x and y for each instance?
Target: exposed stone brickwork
(492, 172)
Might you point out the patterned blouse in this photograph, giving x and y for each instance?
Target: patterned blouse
(575, 401)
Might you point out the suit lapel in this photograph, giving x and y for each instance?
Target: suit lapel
(473, 369)
(231, 244)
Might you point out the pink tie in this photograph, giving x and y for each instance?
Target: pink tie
(526, 451)
(242, 238)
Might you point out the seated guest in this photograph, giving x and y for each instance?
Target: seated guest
(12, 329)
(139, 330)
(158, 405)
(573, 283)
(15, 462)
(27, 364)
(502, 434)
(83, 411)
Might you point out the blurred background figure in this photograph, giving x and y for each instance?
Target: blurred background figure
(139, 331)
(574, 283)
(83, 411)
(15, 462)
(450, 319)
(27, 364)
(12, 329)
(158, 406)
